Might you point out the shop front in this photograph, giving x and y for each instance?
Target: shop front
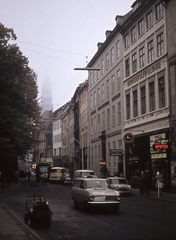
(149, 153)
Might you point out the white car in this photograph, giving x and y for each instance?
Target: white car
(120, 184)
(93, 192)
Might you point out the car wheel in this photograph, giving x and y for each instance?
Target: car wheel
(86, 206)
(116, 209)
(75, 204)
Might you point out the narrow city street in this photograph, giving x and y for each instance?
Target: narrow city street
(138, 218)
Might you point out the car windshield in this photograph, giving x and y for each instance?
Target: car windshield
(96, 184)
(88, 173)
(122, 181)
(114, 181)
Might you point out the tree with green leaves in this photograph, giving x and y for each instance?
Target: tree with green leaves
(19, 107)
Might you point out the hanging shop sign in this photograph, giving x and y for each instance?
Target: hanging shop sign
(128, 137)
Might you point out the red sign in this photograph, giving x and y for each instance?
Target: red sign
(160, 146)
(102, 163)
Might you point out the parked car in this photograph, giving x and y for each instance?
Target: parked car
(93, 192)
(82, 174)
(67, 179)
(120, 184)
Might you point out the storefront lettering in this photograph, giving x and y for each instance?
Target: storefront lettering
(144, 73)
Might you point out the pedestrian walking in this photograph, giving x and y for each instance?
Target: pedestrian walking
(44, 178)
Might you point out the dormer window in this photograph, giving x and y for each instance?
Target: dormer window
(135, 5)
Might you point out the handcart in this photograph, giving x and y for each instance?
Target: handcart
(38, 211)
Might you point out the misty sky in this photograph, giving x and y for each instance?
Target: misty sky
(59, 35)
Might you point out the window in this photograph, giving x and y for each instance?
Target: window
(91, 101)
(113, 116)
(159, 11)
(112, 55)
(99, 128)
(103, 93)
(91, 126)
(113, 84)
(134, 62)
(98, 93)
(128, 106)
(141, 27)
(107, 61)
(135, 104)
(114, 147)
(118, 49)
(119, 112)
(95, 99)
(160, 45)
(152, 96)
(150, 51)
(91, 79)
(108, 118)
(118, 80)
(127, 67)
(107, 88)
(98, 72)
(149, 19)
(102, 66)
(142, 57)
(133, 34)
(143, 101)
(103, 120)
(161, 92)
(95, 125)
(127, 40)
(95, 76)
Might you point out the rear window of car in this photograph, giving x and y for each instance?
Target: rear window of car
(88, 173)
(56, 170)
(77, 183)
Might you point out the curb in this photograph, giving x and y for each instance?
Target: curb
(155, 199)
(25, 228)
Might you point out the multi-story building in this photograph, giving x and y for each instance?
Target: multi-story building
(45, 147)
(106, 105)
(170, 9)
(130, 93)
(84, 124)
(146, 89)
(57, 135)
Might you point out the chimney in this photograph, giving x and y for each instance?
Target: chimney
(107, 33)
(119, 19)
(99, 44)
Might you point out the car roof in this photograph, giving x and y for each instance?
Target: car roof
(90, 179)
(115, 178)
(84, 170)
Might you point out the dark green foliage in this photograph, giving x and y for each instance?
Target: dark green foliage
(19, 107)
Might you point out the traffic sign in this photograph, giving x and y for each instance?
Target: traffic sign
(102, 163)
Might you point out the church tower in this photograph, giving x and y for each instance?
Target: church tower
(46, 97)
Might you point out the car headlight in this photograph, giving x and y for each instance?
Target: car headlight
(118, 198)
(129, 187)
(91, 198)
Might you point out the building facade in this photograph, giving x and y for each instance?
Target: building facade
(170, 8)
(146, 90)
(106, 105)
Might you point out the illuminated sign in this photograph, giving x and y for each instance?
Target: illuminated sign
(161, 155)
(160, 146)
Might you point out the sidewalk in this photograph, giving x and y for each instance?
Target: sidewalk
(165, 196)
(13, 228)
